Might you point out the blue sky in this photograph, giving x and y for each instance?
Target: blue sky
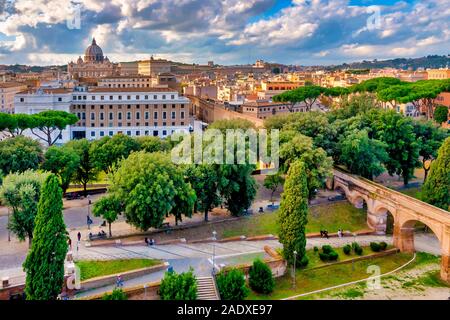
(303, 32)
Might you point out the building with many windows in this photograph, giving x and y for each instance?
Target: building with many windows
(108, 111)
(7, 92)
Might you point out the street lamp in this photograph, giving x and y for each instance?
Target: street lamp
(9, 231)
(214, 233)
(89, 212)
(295, 260)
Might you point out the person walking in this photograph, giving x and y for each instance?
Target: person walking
(69, 242)
(78, 240)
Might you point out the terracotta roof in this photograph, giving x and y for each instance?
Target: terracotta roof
(260, 104)
(131, 90)
(11, 84)
(47, 91)
(135, 76)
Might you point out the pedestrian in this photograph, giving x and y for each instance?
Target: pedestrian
(146, 240)
(119, 282)
(69, 242)
(79, 236)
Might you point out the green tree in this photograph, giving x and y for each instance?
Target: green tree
(48, 125)
(318, 166)
(363, 156)
(436, 189)
(308, 95)
(260, 277)
(19, 154)
(150, 186)
(397, 132)
(153, 144)
(44, 265)
(237, 187)
(63, 162)
(106, 152)
(15, 124)
(204, 179)
(231, 124)
(272, 182)
(430, 138)
(181, 286)
(441, 114)
(293, 213)
(21, 192)
(231, 285)
(86, 171)
(109, 208)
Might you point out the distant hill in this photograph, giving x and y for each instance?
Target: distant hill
(20, 68)
(433, 61)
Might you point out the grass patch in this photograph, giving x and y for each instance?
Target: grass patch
(93, 268)
(314, 279)
(412, 192)
(340, 215)
(429, 279)
(352, 294)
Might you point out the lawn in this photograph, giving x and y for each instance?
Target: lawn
(314, 279)
(412, 192)
(93, 268)
(339, 215)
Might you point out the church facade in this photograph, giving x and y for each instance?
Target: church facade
(94, 65)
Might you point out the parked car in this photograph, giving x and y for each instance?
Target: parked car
(336, 197)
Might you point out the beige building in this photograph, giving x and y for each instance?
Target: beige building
(94, 64)
(272, 88)
(104, 112)
(438, 74)
(153, 67)
(135, 81)
(8, 90)
(128, 68)
(264, 110)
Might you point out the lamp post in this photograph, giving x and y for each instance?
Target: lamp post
(89, 212)
(295, 260)
(214, 233)
(9, 231)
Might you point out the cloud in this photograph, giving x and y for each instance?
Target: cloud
(226, 31)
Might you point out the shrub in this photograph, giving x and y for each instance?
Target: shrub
(316, 249)
(357, 248)
(347, 249)
(333, 256)
(375, 247)
(117, 294)
(327, 249)
(231, 285)
(383, 245)
(181, 286)
(261, 278)
(324, 256)
(303, 261)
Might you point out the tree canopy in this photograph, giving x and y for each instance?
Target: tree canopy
(19, 154)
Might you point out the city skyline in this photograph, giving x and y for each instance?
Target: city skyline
(300, 32)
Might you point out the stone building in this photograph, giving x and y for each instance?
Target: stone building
(94, 64)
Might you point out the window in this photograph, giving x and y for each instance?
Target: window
(110, 133)
(173, 114)
(59, 99)
(102, 97)
(137, 97)
(173, 106)
(128, 97)
(102, 133)
(138, 115)
(155, 97)
(164, 132)
(128, 133)
(92, 116)
(146, 132)
(119, 116)
(155, 115)
(120, 97)
(164, 96)
(146, 116)
(83, 115)
(164, 115)
(182, 114)
(155, 133)
(128, 115)
(92, 133)
(110, 97)
(111, 116)
(172, 97)
(155, 124)
(93, 97)
(138, 133)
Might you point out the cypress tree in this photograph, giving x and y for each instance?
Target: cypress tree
(293, 214)
(436, 189)
(44, 265)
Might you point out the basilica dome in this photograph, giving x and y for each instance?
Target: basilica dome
(93, 53)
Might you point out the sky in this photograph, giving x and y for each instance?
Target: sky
(303, 32)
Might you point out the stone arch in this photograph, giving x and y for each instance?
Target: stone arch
(404, 240)
(382, 218)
